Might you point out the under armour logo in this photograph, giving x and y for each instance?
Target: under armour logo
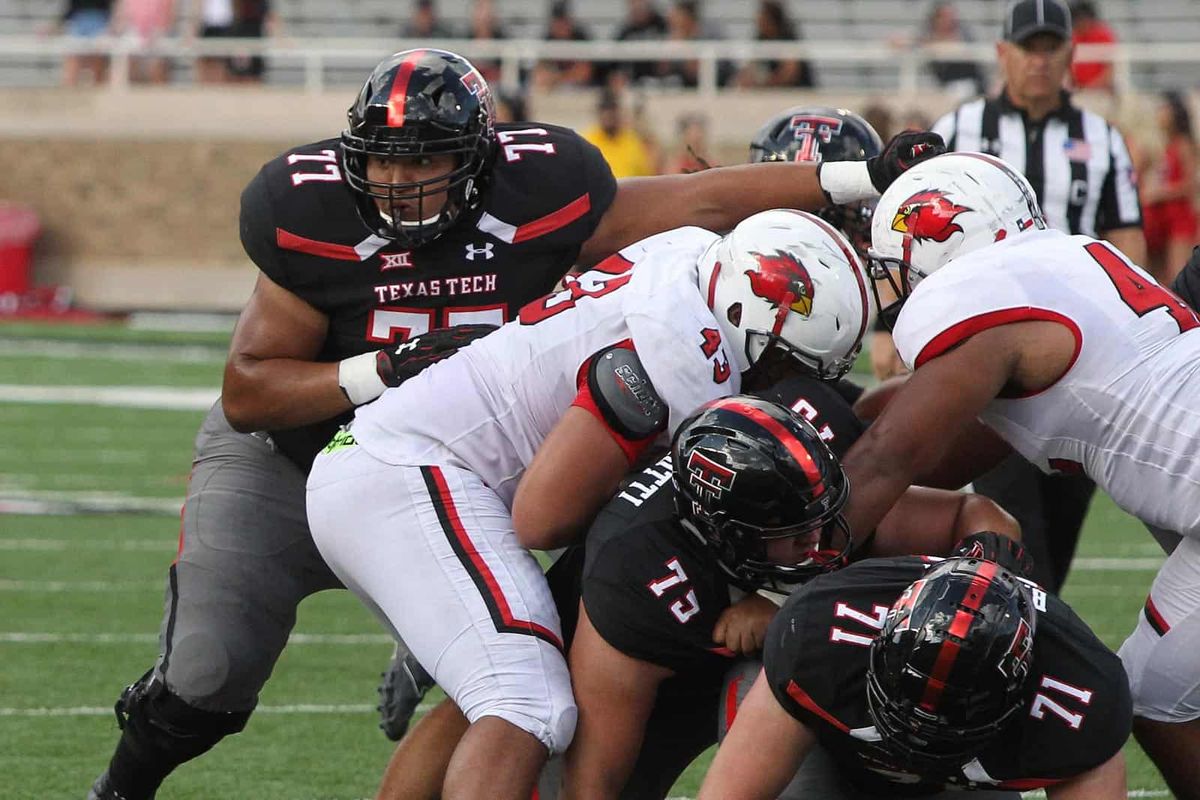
(485, 251)
(394, 260)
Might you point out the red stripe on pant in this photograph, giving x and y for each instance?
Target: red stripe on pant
(477, 568)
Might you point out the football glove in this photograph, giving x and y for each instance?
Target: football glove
(903, 151)
(992, 546)
(364, 377)
(397, 364)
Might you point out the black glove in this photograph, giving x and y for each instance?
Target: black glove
(991, 546)
(905, 150)
(397, 364)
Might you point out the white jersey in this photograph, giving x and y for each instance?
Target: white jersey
(488, 408)
(1127, 411)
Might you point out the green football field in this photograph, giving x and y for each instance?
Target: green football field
(97, 425)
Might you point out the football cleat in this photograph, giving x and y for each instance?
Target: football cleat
(404, 685)
(102, 789)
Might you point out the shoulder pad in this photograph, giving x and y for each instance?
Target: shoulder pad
(624, 394)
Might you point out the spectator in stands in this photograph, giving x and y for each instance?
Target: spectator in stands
(691, 149)
(1090, 29)
(252, 19)
(84, 19)
(562, 27)
(622, 147)
(425, 23)
(942, 28)
(642, 22)
(511, 107)
(147, 21)
(1170, 193)
(213, 20)
(684, 24)
(486, 26)
(772, 24)
(880, 118)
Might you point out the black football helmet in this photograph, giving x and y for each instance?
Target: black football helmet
(817, 133)
(748, 472)
(418, 103)
(949, 668)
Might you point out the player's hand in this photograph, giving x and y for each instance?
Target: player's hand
(905, 150)
(991, 546)
(743, 626)
(397, 364)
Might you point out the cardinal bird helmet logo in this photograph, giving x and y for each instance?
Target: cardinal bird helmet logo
(782, 281)
(928, 216)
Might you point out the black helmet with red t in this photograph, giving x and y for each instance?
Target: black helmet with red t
(749, 473)
(950, 667)
(420, 103)
(812, 134)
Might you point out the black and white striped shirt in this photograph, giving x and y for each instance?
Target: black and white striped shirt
(1077, 163)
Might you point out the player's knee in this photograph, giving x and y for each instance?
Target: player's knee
(550, 716)
(212, 673)
(1164, 678)
(164, 723)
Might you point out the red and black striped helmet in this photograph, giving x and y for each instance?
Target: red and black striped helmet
(749, 473)
(949, 668)
(419, 103)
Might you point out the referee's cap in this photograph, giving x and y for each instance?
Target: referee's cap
(1024, 18)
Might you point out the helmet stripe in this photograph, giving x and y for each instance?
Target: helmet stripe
(399, 93)
(948, 652)
(712, 284)
(786, 438)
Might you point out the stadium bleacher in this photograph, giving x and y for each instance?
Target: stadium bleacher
(868, 21)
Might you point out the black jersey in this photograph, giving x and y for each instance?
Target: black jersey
(816, 657)
(544, 197)
(654, 591)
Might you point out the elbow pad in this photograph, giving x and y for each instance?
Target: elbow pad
(614, 388)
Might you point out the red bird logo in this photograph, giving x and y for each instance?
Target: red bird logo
(928, 215)
(782, 281)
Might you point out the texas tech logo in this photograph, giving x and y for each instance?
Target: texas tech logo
(810, 132)
(395, 260)
(708, 479)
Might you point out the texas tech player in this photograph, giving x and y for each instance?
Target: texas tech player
(919, 678)
(1075, 358)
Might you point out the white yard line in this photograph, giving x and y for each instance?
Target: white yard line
(123, 351)
(149, 397)
(21, 637)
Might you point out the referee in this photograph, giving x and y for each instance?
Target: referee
(1081, 171)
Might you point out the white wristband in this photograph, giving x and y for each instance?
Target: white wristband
(847, 181)
(359, 378)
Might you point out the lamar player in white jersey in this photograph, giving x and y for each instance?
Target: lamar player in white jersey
(425, 505)
(1079, 361)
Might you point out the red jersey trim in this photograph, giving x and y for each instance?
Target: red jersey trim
(554, 220)
(961, 331)
(731, 701)
(802, 697)
(312, 247)
(1155, 618)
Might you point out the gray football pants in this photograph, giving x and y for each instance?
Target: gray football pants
(246, 561)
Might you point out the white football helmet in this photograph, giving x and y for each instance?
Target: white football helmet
(941, 209)
(788, 279)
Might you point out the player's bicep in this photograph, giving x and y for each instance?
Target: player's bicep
(275, 323)
(574, 472)
(761, 752)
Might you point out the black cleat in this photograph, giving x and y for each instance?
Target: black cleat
(404, 685)
(102, 789)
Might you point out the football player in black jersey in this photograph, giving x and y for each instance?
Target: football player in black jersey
(918, 677)
(671, 579)
(373, 250)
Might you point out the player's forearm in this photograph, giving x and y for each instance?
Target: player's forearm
(879, 474)
(718, 199)
(280, 393)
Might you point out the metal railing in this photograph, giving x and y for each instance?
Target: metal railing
(315, 55)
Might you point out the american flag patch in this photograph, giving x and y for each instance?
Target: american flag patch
(1077, 150)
